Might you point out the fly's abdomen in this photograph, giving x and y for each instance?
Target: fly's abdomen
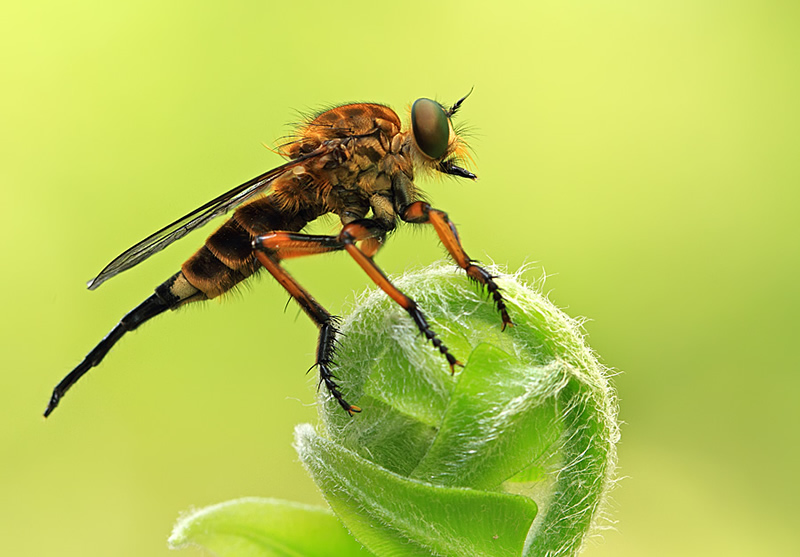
(227, 257)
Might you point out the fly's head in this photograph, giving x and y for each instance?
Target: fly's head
(434, 143)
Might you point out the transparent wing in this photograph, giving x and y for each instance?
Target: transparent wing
(197, 218)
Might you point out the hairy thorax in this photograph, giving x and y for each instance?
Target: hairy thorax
(365, 150)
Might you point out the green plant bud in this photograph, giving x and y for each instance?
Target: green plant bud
(511, 455)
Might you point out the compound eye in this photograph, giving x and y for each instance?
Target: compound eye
(430, 126)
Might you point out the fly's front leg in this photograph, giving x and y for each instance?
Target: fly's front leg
(421, 212)
(362, 230)
(270, 249)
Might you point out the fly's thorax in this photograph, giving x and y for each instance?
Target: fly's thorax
(352, 199)
(353, 120)
(342, 122)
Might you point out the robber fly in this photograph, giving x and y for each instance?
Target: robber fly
(355, 161)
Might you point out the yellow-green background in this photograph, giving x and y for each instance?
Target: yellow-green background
(644, 153)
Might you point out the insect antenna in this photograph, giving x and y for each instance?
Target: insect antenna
(457, 105)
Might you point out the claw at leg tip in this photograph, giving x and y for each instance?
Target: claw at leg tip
(453, 367)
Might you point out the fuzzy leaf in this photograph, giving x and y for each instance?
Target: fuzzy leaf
(255, 527)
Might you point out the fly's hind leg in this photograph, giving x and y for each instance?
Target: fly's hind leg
(270, 249)
(169, 295)
(422, 213)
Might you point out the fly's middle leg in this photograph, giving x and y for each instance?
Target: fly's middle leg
(365, 229)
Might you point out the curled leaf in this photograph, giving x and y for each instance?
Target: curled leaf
(398, 517)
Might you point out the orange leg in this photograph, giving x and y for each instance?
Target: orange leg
(421, 212)
(282, 245)
(270, 249)
(355, 232)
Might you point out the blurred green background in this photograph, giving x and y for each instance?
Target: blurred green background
(644, 155)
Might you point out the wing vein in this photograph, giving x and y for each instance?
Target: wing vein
(195, 219)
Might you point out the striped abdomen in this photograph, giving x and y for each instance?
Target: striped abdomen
(227, 256)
